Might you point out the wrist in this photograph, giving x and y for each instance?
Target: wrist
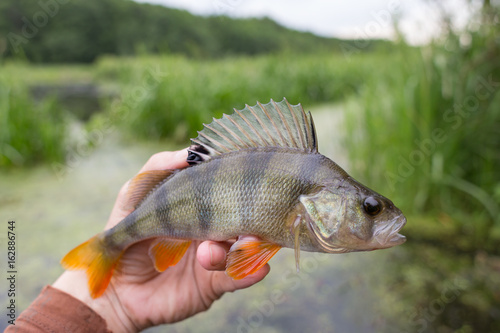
(107, 306)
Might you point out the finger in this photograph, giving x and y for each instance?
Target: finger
(212, 255)
(166, 160)
(222, 283)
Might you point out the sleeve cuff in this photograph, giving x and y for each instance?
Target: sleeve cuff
(56, 311)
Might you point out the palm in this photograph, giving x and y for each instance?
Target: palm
(142, 290)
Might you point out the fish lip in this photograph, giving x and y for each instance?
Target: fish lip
(388, 235)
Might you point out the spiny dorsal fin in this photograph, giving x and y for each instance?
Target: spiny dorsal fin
(275, 124)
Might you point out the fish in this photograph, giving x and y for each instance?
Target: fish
(256, 172)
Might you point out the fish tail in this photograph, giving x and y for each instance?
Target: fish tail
(98, 261)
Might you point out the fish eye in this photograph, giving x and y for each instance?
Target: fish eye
(372, 206)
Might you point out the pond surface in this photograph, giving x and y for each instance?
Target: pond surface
(56, 208)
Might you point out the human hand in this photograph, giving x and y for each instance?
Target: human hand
(138, 296)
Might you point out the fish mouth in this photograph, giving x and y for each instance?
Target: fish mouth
(387, 235)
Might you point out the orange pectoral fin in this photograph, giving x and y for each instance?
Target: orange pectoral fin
(247, 256)
(166, 252)
(98, 262)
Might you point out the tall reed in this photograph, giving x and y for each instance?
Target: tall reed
(425, 131)
(31, 132)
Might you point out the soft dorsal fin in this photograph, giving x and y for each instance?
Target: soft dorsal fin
(275, 124)
(142, 184)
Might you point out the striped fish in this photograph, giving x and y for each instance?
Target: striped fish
(256, 172)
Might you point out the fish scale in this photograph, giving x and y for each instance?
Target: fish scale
(255, 173)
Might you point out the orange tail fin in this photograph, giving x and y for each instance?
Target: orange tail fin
(98, 262)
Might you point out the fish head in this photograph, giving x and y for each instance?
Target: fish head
(347, 216)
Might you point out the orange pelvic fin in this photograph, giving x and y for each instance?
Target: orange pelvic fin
(98, 262)
(247, 256)
(166, 252)
(140, 186)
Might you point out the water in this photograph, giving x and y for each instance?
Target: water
(81, 99)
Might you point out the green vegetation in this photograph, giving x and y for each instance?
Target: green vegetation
(170, 97)
(436, 114)
(162, 94)
(82, 30)
(32, 132)
(426, 135)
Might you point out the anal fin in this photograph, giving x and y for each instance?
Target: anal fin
(248, 255)
(166, 252)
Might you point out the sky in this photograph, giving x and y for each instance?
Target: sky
(418, 19)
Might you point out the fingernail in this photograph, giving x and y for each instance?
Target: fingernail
(215, 253)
